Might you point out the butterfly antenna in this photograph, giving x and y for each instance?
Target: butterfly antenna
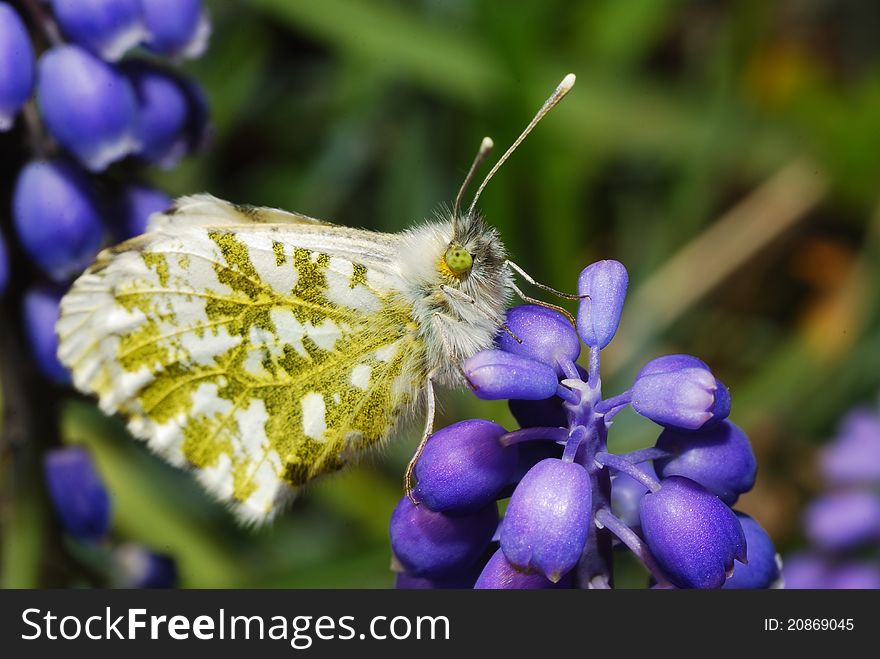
(541, 303)
(485, 149)
(534, 282)
(560, 92)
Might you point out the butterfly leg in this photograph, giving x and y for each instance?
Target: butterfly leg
(426, 434)
(454, 293)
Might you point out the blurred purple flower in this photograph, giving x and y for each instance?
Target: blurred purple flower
(843, 520)
(17, 70)
(77, 492)
(853, 457)
(138, 567)
(41, 309)
(88, 106)
(179, 28)
(108, 28)
(163, 113)
(134, 205)
(57, 218)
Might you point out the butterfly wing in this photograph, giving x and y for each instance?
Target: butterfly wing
(261, 354)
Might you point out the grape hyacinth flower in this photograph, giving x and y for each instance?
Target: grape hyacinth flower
(570, 498)
(41, 309)
(79, 122)
(764, 566)
(178, 28)
(17, 71)
(133, 207)
(163, 114)
(464, 467)
(88, 106)
(108, 28)
(843, 524)
(138, 567)
(434, 544)
(57, 217)
(77, 493)
(719, 458)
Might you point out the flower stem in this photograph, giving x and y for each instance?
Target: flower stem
(621, 464)
(575, 438)
(534, 434)
(645, 454)
(605, 518)
(569, 368)
(45, 22)
(596, 565)
(613, 404)
(568, 395)
(594, 370)
(35, 135)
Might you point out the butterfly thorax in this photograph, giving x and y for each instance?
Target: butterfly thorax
(458, 313)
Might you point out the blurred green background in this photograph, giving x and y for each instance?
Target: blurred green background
(727, 152)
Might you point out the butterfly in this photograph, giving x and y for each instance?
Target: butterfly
(263, 348)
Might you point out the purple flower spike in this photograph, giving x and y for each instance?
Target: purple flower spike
(546, 335)
(141, 568)
(844, 520)
(720, 458)
(464, 467)
(546, 524)
(108, 28)
(598, 315)
(854, 456)
(495, 374)
(134, 206)
(77, 493)
(805, 571)
(692, 534)
(499, 574)
(179, 28)
(163, 106)
(41, 308)
(17, 70)
(627, 493)
(854, 576)
(762, 570)
(4, 265)
(432, 544)
(680, 392)
(88, 106)
(57, 217)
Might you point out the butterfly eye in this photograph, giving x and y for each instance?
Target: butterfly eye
(458, 260)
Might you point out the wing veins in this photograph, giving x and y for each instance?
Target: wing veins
(153, 341)
(203, 376)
